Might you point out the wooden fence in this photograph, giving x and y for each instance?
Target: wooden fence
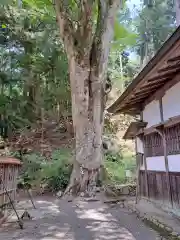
(9, 168)
(157, 186)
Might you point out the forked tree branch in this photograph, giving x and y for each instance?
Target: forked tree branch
(65, 24)
(80, 35)
(75, 33)
(86, 22)
(103, 35)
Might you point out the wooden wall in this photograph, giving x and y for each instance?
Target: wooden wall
(157, 184)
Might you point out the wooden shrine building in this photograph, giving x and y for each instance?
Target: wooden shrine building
(154, 96)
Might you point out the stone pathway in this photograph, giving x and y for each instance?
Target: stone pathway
(164, 218)
(57, 219)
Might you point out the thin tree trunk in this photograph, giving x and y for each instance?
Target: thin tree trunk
(121, 72)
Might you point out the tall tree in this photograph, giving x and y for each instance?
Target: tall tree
(87, 35)
(121, 67)
(155, 22)
(33, 67)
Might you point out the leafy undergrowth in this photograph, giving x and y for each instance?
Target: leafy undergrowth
(52, 175)
(116, 166)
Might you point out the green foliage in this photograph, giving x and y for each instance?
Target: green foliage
(34, 78)
(154, 24)
(116, 172)
(124, 35)
(54, 174)
(129, 161)
(6, 2)
(122, 69)
(110, 127)
(32, 165)
(123, 38)
(117, 164)
(114, 157)
(33, 67)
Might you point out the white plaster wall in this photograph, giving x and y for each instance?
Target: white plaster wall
(171, 102)
(139, 145)
(142, 167)
(174, 163)
(156, 163)
(151, 113)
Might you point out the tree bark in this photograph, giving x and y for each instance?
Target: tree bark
(88, 125)
(88, 73)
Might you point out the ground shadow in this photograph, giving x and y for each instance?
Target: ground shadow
(58, 219)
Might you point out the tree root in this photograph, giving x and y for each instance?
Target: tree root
(82, 182)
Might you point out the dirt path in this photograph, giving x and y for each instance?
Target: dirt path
(54, 220)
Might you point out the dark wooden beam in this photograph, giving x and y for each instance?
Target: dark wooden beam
(141, 94)
(141, 97)
(132, 108)
(154, 85)
(133, 129)
(146, 91)
(174, 59)
(161, 81)
(170, 67)
(164, 75)
(154, 79)
(169, 73)
(162, 90)
(137, 101)
(134, 100)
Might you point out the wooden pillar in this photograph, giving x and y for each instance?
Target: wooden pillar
(138, 171)
(167, 169)
(162, 134)
(145, 162)
(145, 166)
(161, 110)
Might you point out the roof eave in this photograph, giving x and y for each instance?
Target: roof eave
(115, 107)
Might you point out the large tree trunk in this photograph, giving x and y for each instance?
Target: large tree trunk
(88, 107)
(87, 51)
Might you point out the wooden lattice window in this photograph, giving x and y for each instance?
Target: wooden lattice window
(153, 145)
(173, 139)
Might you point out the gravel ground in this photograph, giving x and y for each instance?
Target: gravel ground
(58, 219)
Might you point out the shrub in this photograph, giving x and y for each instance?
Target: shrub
(113, 157)
(54, 174)
(30, 169)
(117, 164)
